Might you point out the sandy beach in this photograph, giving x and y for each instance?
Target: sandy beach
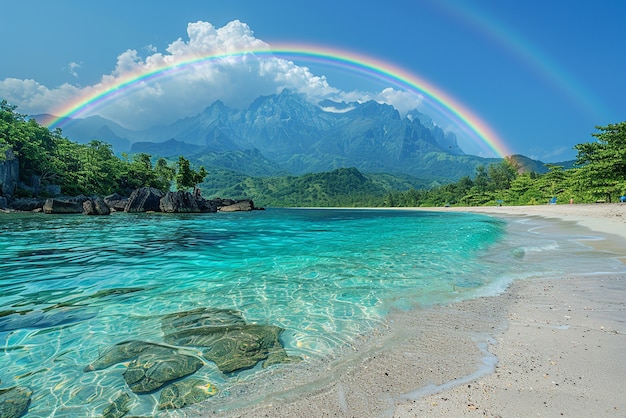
(544, 347)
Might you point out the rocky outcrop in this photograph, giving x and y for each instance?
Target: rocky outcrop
(116, 202)
(58, 206)
(96, 206)
(185, 202)
(207, 206)
(180, 202)
(240, 206)
(145, 199)
(9, 173)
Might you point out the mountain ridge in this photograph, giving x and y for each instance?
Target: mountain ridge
(289, 134)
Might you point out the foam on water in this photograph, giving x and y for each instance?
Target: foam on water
(71, 286)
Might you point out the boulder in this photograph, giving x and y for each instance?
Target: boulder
(14, 401)
(229, 342)
(240, 206)
(145, 199)
(179, 202)
(58, 206)
(207, 206)
(120, 352)
(200, 318)
(119, 407)
(236, 347)
(186, 392)
(27, 204)
(150, 371)
(96, 206)
(218, 201)
(116, 202)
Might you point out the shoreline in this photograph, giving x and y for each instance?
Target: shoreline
(551, 347)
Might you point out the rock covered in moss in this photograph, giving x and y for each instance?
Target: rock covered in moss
(186, 392)
(118, 408)
(14, 401)
(150, 371)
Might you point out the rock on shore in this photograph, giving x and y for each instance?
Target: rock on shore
(145, 199)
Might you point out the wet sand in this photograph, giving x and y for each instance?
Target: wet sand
(545, 347)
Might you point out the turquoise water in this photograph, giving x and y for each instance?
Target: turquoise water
(72, 286)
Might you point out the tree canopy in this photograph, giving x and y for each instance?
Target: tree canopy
(87, 169)
(603, 162)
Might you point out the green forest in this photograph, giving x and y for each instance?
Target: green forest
(87, 169)
(94, 169)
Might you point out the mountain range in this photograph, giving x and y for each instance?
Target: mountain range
(286, 134)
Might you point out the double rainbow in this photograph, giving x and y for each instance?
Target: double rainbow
(466, 120)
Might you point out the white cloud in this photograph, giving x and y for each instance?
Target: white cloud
(72, 67)
(34, 98)
(187, 89)
(402, 100)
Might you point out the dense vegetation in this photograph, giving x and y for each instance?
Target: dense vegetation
(91, 169)
(599, 174)
(345, 187)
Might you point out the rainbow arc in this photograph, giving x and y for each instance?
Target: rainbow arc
(478, 130)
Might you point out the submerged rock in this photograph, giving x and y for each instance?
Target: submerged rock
(14, 401)
(234, 348)
(118, 408)
(124, 351)
(150, 371)
(232, 344)
(199, 318)
(186, 392)
(221, 334)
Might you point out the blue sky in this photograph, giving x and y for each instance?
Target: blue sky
(542, 74)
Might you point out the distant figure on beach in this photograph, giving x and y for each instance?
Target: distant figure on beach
(622, 199)
(571, 201)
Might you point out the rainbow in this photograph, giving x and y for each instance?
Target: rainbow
(479, 131)
(528, 54)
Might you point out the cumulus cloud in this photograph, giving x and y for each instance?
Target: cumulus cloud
(191, 82)
(33, 98)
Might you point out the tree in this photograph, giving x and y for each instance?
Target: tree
(186, 177)
(501, 175)
(603, 163)
(32, 143)
(164, 173)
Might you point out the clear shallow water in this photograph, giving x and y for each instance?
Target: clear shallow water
(72, 286)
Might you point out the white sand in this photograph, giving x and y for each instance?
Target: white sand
(559, 345)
